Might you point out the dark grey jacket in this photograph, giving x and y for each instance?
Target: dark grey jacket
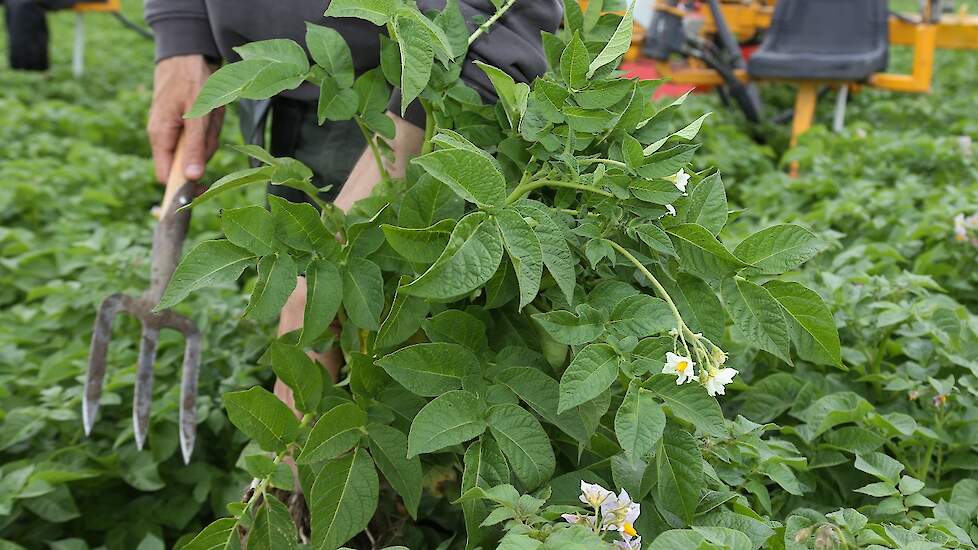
(214, 27)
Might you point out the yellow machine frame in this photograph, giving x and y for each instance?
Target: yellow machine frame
(958, 31)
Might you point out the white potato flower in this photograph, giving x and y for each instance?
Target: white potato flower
(715, 383)
(619, 514)
(681, 179)
(671, 209)
(683, 367)
(594, 495)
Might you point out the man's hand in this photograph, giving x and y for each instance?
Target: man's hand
(176, 84)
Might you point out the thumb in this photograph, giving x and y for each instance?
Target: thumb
(195, 148)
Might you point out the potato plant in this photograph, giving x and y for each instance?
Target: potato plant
(542, 304)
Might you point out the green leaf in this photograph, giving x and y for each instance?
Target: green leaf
(667, 162)
(572, 329)
(689, 402)
(471, 175)
(524, 252)
(484, 467)
(656, 238)
(363, 293)
(639, 422)
(403, 319)
(812, 326)
(335, 433)
(655, 191)
(225, 85)
(417, 55)
(219, 535)
(457, 327)
(590, 373)
(757, 315)
(541, 393)
(779, 248)
(679, 465)
(273, 529)
(336, 103)
(210, 263)
(679, 539)
(277, 50)
(430, 369)
(342, 499)
(234, 180)
(574, 63)
(298, 226)
(273, 79)
(430, 32)
(451, 418)
(525, 444)
(250, 227)
(701, 254)
(263, 417)
(423, 245)
(640, 315)
(473, 253)
(707, 204)
(557, 255)
(324, 292)
(330, 51)
(389, 448)
(299, 372)
(512, 96)
(373, 92)
(698, 304)
(276, 280)
(617, 45)
(377, 12)
(830, 411)
(725, 537)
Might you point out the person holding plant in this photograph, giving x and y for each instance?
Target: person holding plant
(193, 36)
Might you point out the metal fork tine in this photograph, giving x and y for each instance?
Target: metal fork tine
(143, 395)
(188, 393)
(95, 375)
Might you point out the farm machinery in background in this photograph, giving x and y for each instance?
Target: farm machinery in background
(818, 45)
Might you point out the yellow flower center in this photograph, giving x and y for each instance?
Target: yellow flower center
(629, 530)
(959, 237)
(682, 366)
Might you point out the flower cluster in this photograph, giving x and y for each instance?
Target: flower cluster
(712, 377)
(966, 228)
(612, 513)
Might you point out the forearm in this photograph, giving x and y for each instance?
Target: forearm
(366, 174)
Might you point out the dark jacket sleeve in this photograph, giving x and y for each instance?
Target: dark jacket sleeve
(181, 28)
(512, 44)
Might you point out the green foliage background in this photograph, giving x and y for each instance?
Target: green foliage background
(75, 191)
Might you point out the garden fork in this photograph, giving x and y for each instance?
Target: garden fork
(167, 245)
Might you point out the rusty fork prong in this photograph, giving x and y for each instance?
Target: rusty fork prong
(95, 375)
(143, 392)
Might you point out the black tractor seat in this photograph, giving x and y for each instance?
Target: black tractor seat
(824, 40)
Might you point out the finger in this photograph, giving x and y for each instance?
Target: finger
(163, 140)
(195, 148)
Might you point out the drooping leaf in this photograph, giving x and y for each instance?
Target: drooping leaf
(363, 293)
(451, 418)
(342, 499)
(779, 248)
(592, 370)
(430, 369)
(679, 465)
(324, 293)
(300, 373)
(523, 441)
(757, 315)
(210, 263)
(474, 251)
(262, 417)
(524, 252)
(225, 86)
(276, 281)
(556, 254)
(402, 320)
(471, 175)
(639, 422)
(417, 56)
(689, 402)
(389, 448)
(574, 63)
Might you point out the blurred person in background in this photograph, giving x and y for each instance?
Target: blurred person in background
(27, 31)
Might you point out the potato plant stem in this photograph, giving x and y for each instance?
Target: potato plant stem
(525, 188)
(263, 484)
(608, 162)
(429, 127)
(373, 147)
(489, 22)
